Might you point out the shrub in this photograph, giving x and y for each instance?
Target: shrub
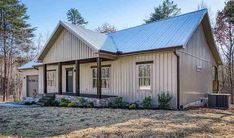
(91, 104)
(163, 100)
(65, 100)
(71, 104)
(29, 103)
(52, 103)
(147, 102)
(132, 106)
(82, 101)
(63, 104)
(119, 102)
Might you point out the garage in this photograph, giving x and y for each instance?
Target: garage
(32, 85)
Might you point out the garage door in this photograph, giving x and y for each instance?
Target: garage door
(32, 85)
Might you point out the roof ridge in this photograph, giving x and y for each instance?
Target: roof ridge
(204, 9)
(82, 28)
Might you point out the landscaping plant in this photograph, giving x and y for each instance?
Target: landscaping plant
(164, 100)
(147, 102)
(119, 102)
(82, 101)
(71, 104)
(132, 106)
(64, 102)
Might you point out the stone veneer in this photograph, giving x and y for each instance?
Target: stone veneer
(104, 102)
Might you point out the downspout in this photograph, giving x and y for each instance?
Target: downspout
(178, 79)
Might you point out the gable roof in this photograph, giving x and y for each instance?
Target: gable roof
(167, 33)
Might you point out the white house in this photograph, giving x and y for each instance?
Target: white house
(176, 55)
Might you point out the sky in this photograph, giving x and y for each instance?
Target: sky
(45, 14)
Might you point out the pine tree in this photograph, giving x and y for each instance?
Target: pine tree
(167, 9)
(74, 16)
(224, 34)
(15, 33)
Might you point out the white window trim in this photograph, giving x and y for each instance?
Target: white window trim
(109, 79)
(151, 78)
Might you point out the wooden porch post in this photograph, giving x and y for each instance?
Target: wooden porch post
(99, 78)
(45, 78)
(77, 77)
(60, 78)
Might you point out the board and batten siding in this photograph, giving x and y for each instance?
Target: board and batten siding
(196, 72)
(123, 77)
(68, 47)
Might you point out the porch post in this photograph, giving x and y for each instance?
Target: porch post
(77, 77)
(99, 79)
(45, 78)
(60, 78)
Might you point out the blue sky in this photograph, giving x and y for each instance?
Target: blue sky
(45, 14)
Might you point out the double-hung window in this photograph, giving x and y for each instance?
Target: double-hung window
(144, 76)
(105, 77)
(51, 78)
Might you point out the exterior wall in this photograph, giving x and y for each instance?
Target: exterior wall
(24, 75)
(68, 47)
(50, 89)
(196, 72)
(124, 76)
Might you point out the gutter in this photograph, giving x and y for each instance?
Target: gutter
(178, 80)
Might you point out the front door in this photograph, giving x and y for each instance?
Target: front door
(32, 85)
(69, 80)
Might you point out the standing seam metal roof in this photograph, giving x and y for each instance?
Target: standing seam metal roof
(166, 33)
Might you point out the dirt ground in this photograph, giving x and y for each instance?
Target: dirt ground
(77, 122)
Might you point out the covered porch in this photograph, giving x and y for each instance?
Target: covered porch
(97, 61)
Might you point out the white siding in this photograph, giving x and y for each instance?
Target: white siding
(195, 84)
(67, 47)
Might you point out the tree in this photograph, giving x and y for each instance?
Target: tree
(106, 28)
(224, 34)
(15, 33)
(74, 16)
(167, 9)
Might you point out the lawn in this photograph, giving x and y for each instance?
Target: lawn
(78, 122)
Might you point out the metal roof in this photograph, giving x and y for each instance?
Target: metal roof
(29, 65)
(167, 33)
(94, 39)
(170, 32)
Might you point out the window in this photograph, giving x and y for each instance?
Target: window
(105, 77)
(144, 78)
(51, 78)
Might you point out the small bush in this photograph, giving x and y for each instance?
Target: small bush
(163, 100)
(119, 102)
(52, 103)
(91, 104)
(82, 101)
(147, 102)
(71, 104)
(29, 103)
(65, 100)
(63, 104)
(132, 106)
